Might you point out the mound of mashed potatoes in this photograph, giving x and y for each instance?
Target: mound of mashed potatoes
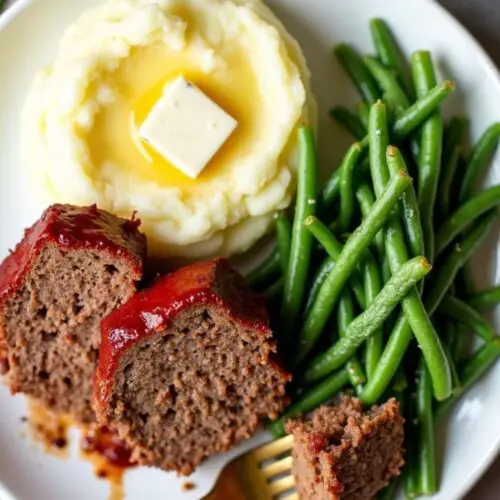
(79, 126)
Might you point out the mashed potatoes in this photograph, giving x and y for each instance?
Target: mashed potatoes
(80, 123)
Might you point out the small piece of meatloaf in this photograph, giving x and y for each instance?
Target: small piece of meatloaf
(72, 268)
(345, 453)
(187, 368)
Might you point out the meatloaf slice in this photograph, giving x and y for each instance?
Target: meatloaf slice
(73, 267)
(187, 368)
(345, 453)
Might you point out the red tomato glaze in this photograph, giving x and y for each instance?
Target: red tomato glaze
(70, 227)
(211, 282)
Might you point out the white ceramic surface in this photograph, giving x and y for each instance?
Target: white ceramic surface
(28, 38)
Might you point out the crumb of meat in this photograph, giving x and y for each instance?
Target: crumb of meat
(344, 452)
(188, 486)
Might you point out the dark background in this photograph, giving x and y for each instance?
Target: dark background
(482, 18)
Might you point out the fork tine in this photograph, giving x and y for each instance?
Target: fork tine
(292, 496)
(277, 468)
(282, 485)
(272, 449)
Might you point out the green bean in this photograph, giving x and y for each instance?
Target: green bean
(450, 337)
(355, 67)
(454, 308)
(464, 283)
(417, 113)
(388, 51)
(478, 159)
(450, 167)
(345, 316)
(390, 492)
(465, 215)
(301, 244)
(366, 199)
(349, 258)
(452, 148)
(459, 254)
(410, 213)
(369, 321)
(266, 272)
(431, 140)
(485, 300)
(408, 122)
(386, 271)
(454, 135)
(400, 382)
(349, 121)
(363, 110)
(397, 255)
(284, 238)
(275, 290)
(427, 482)
(346, 186)
(331, 190)
(310, 399)
(393, 94)
(411, 471)
(373, 286)
(334, 248)
(472, 371)
(378, 135)
(318, 279)
(423, 73)
(461, 347)
(411, 155)
(390, 360)
(393, 318)
(411, 477)
(453, 368)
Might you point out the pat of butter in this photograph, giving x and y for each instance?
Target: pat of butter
(186, 127)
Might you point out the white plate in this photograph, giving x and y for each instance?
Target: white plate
(28, 37)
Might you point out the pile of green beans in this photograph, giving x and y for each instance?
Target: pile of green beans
(370, 269)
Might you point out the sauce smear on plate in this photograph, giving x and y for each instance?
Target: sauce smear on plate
(49, 429)
(110, 457)
(108, 453)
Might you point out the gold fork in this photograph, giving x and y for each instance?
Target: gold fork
(264, 473)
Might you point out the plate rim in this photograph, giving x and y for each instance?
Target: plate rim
(486, 60)
(12, 12)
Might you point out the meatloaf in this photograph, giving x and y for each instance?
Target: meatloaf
(343, 452)
(187, 368)
(73, 267)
